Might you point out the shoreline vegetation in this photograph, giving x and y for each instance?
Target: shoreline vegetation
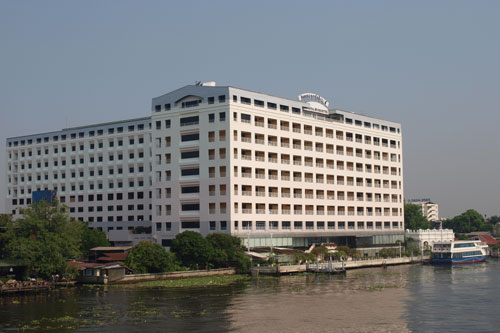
(205, 281)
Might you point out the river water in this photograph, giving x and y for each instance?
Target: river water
(412, 298)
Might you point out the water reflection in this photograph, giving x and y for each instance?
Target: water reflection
(367, 300)
(397, 299)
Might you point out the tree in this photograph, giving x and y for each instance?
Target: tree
(228, 252)
(493, 220)
(414, 219)
(192, 250)
(469, 221)
(44, 238)
(6, 234)
(91, 238)
(148, 257)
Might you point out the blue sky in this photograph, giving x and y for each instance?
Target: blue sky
(431, 65)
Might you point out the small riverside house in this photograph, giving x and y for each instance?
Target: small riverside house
(97, 273)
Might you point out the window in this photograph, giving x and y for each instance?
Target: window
(190, 137)
(284, 108)
(190, 189)
(157, 108)
(167, 123)
(167, 107)
(166, 242)
(190, 154)
(271, 106)
(191, 104)
(190, 172)
(245, 118)
(245, 100)
(258, 103)
(222, 116)
(295, 110)
(211, 117)
(211, 100)
(222, 98)
(212, 225)
(190, 225)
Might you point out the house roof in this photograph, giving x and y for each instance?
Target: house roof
(488, 239)
(111, 248)
(80, 265)
(113, 256)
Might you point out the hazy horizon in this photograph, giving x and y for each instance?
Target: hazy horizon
(431, 66)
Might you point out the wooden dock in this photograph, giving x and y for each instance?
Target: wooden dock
(20, 286)
(334, 267)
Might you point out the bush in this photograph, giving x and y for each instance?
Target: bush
(228, 252)
(192, 250)
(148, 257)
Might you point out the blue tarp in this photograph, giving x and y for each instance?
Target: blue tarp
(46, 195)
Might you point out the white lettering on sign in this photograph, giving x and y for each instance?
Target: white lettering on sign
(310, 97)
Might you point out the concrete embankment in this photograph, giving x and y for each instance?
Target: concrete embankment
(133, 278)
(335, 266)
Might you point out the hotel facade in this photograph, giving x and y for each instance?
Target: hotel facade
(210, 158)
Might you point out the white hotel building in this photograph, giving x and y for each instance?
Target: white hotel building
(222, 159)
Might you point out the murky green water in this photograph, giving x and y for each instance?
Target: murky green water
(396, 299)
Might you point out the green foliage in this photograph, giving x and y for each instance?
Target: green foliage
(469, 221)
(193, 251)
(414, 219)
(92, 238)
(228, 252)
(388, 253)
(6, 234)
(412, 247)
(43, 239)
(148, 257)
(205, 281)
(303, 257)
(493, 220)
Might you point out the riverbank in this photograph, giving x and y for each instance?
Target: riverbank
(206, 281)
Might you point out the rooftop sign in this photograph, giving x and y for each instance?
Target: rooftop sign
(310, 97)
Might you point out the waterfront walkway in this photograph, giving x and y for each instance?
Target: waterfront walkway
(335, 267)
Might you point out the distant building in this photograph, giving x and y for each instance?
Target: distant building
(427, 238)
(429, 209)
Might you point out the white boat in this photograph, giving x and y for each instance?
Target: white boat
(459, 252)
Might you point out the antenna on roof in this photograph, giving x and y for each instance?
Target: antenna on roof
(197, 83)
